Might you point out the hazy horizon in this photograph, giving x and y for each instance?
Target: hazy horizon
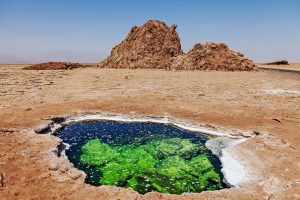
(35, 31)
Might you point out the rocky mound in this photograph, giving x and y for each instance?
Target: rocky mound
(280, 62)
(148, 46)
(54, 66)
(212, 56)
(155, 45)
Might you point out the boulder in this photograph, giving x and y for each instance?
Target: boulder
(212, 56)
(148, 46)
(155, 45)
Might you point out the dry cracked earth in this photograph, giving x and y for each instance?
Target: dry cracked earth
(267, 102)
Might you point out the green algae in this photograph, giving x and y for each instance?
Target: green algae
(96, 153)
(130, 161)
(165, 165)
(173, 146)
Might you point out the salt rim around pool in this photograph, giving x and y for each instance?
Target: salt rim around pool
(281, 91)
(234, 173)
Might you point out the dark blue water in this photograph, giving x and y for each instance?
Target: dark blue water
(123, 133)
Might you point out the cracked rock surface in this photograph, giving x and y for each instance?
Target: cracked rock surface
(155, 45)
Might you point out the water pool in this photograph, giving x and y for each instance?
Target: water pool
(145, 156)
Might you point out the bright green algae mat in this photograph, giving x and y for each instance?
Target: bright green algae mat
(160, 165)
(144, 156)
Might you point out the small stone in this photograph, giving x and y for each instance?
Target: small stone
(23, 153)
(9, 130)
(43, 129)
(73, 174)
(54, 166)
(256, 133)
(64, 169)
(62, 179)
(277, 120)
(247, 135)
(1, 180)
(58, 120)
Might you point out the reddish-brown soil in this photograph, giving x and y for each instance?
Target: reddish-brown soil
(229, 101)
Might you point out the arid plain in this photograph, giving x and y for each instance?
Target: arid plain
(262, 106)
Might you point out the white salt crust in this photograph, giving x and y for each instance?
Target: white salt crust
(282, 91)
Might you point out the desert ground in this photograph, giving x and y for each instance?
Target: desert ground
(264, 101)
(290, 67)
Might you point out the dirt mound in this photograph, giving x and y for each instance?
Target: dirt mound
(280, 62)
(148, 46)
(212, 56)
(54, 66)
(155, 45)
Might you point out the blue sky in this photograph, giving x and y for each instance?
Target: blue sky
(85, 31)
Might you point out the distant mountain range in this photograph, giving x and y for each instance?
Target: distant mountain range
(64, 55)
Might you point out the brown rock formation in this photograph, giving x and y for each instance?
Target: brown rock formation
(148, 46)
(212, 56)
(54, 66)
(155, 45)
(279, 62)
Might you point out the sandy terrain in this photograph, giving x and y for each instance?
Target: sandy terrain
(292, 66)
(241, 102)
